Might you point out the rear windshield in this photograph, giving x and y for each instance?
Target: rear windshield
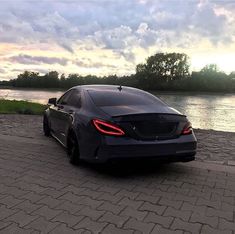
(111, 98)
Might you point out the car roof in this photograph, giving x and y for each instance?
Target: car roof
(113, 88)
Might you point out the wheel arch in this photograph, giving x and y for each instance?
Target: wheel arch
(46, 114)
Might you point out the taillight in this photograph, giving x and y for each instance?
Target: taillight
(107, 128)
(187, 129)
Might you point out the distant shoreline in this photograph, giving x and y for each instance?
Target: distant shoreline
(183, 92)
(31, 89)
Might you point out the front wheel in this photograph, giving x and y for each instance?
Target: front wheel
(73, 150)
(46, 127)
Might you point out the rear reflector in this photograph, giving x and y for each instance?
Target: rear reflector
(187, 129)
(107, 128)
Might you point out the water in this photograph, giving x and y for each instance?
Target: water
(206, 111)
(29, 95)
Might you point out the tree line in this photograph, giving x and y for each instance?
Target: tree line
(162, 71)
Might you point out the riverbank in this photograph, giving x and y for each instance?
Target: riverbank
(205, 111)
(213, 146)
(21, 107)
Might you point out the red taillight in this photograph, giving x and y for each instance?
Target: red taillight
(187, 129)
(108, 128)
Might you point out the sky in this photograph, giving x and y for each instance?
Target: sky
(105, 37)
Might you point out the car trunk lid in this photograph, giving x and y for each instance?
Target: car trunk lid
(123, 110)
(152, 126)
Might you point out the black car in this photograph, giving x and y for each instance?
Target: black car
(99, 123)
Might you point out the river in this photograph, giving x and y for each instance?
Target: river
(205, 111)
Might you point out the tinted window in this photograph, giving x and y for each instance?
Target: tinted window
(110, 98)
(64, 99)
(74, 99)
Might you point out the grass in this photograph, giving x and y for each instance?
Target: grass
(21, 107)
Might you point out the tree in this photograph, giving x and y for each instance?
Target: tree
(212, 71)
(210, 68)
(161, 69)
(165, 66)
(140, 68)
(232, 75)
(27, 79)
(51, 79)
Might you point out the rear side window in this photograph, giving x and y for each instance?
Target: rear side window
(71, 98)
(74, 99)
(64, 99)
(113, 98)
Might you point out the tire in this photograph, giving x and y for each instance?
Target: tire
(73, 149)
(46, 126)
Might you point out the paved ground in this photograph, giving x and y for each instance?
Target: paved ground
(40, 192)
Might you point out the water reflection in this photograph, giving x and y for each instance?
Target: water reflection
(204, 111)
(29, 95)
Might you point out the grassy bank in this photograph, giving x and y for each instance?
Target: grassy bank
(20, 107)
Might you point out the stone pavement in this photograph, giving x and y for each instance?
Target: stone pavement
(40, 192)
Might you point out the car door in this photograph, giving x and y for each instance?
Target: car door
(72, 107)
(57, 115)
(65, 113)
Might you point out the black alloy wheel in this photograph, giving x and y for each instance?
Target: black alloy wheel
(73, 149)
(46, 126)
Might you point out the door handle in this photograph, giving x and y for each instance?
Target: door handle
(71, 112)
(60, 107)
(71, 115)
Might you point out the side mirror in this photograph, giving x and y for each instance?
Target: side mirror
(52, 101)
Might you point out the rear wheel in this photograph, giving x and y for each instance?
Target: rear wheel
(46, 126)
(73, 149)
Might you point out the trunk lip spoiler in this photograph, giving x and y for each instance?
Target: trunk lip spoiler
(139, 110)
(138, 114)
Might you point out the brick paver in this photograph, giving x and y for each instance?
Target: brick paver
(40, 192)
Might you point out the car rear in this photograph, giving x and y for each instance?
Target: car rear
(140, 126)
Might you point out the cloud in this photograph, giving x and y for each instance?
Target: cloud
(2, 71)
(35, 69)
(19, 26)
(208, 24)
(115, 24)
(125, 31)
(28, 59)
(88, 63)
(117, 38)
(66, 45)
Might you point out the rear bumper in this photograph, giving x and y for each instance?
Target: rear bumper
(159, 158)
(180, 149)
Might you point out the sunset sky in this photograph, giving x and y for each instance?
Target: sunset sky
(103, 37)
